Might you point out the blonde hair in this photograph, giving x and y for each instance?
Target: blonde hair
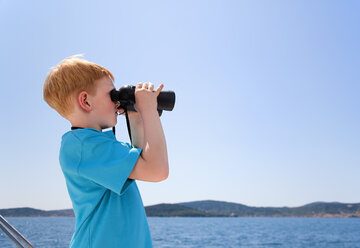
(68, 79)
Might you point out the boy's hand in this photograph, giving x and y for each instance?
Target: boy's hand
(145, 97)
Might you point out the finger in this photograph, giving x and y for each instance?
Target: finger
(145, 85)
(139, 85)
(151, 86)
(161, 86)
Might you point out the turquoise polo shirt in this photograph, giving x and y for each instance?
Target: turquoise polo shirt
(107, 204)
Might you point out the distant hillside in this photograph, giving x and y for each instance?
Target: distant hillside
(160, 210)
(325, 209)
(316, 209)
(32, 212)
(176, 210)
(217, 209)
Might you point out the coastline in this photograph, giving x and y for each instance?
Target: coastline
(210, 208)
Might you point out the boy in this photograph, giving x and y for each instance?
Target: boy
(100, 172)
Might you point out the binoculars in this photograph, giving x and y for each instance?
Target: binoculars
(126, 96)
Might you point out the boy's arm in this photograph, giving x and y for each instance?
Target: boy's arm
(152, 165)
(137, 129)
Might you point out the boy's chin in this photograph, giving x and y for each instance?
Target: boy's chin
(109, 125)
(114, 123)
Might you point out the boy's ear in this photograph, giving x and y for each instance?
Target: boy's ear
(83, 98)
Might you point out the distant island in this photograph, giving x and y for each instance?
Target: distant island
(212, 208)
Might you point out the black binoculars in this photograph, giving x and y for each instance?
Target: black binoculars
(126, 96)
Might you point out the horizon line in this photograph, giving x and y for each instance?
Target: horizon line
(202, 201)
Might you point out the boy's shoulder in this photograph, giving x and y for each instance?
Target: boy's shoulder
(77, 144)
(88, 147)
(89, 137)
(74, 142)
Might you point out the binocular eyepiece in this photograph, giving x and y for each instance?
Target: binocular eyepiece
(126, 96)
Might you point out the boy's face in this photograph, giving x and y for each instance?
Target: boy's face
(104, 110)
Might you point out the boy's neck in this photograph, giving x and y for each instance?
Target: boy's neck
(84, 124)
(83, 120)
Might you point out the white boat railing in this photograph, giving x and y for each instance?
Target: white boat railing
(13, 234)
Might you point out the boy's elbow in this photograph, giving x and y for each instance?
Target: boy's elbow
(164, 173)
(163, 178)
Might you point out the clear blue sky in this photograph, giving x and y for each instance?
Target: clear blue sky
(267, 110)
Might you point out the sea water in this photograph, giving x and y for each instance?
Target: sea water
(56, 232)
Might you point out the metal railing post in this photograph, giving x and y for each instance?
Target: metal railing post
(10, 231)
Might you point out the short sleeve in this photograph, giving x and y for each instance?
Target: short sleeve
(107, 162)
